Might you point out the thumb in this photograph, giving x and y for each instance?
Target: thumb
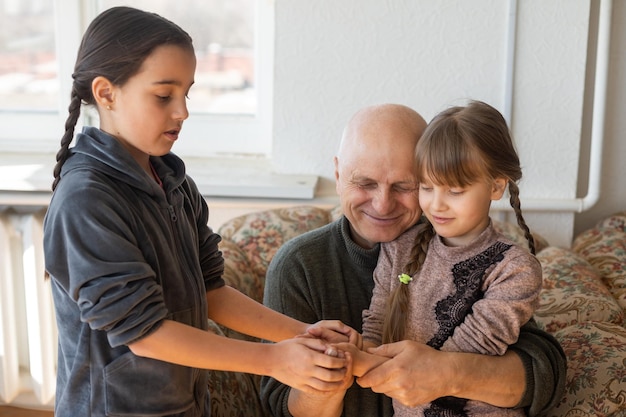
(389, 350)
(314, 331)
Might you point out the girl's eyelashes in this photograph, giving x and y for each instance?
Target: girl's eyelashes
(452, 191)
(168, 97)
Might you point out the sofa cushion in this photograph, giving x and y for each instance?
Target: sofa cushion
(573, 292)
(238, 271)
(259, 235)
(596, 371)
(616, 221)
(604, 246)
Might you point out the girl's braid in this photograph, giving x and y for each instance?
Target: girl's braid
(515, 203)
(70, 124)
(395, 320)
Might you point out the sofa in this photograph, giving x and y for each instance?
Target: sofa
(583, 304)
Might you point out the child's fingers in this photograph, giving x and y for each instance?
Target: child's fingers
(334, 352)
(327, 334)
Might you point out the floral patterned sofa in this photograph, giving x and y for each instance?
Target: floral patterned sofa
(583, 305)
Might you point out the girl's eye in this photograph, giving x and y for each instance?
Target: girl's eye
(456, 192)
(163, 98)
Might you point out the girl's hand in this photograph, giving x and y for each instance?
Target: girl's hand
(334, 331)
(302, 364)
(362, 362)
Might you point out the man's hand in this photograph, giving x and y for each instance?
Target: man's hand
(418, 374)
(414, 373)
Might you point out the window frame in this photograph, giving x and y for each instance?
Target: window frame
(40, 131)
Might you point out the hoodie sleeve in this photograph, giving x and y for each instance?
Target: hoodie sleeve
(92, 252)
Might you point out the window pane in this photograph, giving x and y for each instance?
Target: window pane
(223, 33)
(28, 68)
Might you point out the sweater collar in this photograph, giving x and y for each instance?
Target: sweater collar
(479, 244)
(361, 256)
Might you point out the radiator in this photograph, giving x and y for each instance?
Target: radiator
(28, 336)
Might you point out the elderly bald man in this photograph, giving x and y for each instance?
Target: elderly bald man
(328, 274)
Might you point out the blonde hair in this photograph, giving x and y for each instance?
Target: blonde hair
(460, 146)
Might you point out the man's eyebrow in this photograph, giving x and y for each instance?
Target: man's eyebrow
(406, 182)
(361, 178)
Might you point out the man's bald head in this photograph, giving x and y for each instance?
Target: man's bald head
(394, 124)
(375, 172)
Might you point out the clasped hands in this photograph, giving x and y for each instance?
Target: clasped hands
(335, 349)
(410, 372)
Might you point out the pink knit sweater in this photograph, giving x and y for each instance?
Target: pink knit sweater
(467, 299)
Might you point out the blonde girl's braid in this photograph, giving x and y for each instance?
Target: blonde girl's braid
(515, 203)
(394, 324)
(70, 125)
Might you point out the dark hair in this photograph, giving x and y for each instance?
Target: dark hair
(460, 146)
(114, 46)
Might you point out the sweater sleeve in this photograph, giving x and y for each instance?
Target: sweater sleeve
(546, 367)
(511, 292)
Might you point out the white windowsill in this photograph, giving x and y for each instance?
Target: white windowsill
(25, 180)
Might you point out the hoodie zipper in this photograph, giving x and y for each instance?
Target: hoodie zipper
(172, 212)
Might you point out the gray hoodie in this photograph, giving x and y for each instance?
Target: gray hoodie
(124, 254)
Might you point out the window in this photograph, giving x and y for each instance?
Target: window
(230, 102)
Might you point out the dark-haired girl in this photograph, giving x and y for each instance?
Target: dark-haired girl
(135, 270)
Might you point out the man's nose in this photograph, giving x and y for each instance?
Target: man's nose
(383, 201)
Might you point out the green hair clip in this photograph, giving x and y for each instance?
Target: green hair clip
(405, 278)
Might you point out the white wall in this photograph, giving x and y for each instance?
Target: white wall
(613, 190)
(333, 57)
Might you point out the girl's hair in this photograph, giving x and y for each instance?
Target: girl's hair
(114, 46)
(460, 146)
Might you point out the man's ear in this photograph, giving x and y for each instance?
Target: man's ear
(103, 92)
(498, 188)
(336, 163)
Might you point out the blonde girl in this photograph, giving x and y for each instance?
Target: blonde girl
(453, 282)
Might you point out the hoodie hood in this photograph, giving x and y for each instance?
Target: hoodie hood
(100, 151)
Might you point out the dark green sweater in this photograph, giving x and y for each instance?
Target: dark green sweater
(324, 275)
